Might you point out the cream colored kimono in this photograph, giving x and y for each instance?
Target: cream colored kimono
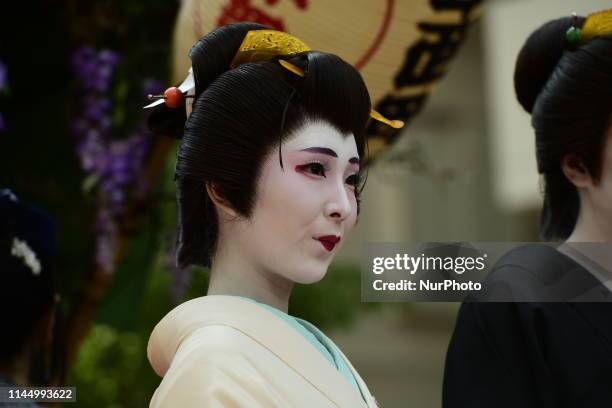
(225, 351)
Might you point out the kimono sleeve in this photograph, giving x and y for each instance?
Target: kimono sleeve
(213, 369)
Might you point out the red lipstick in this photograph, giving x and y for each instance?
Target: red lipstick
(329, 241)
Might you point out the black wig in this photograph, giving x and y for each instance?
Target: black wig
(567, 90)
(239, 116)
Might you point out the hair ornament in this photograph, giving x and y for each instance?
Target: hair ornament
(257, 46)
(596, 25)
(263, 45)
(290, 67)
(22, 250)
(394, 123)
(174, 97)
(574, 33)
(5, 192)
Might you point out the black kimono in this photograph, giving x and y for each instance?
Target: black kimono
(524, 355)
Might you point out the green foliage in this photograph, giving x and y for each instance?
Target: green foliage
(122, 304)
(109, 370)
(112, 369)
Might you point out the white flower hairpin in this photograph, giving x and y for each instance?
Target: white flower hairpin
(22, 250)
(8, 193)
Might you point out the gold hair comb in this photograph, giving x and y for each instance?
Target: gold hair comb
(263, 45)
(596, 25)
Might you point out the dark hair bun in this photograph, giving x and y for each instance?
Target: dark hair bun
(566, 88)
(539, 57)
(212, 54)
(210, 57)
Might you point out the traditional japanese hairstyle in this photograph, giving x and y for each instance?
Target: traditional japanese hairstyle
(240, 114)
(563, 77)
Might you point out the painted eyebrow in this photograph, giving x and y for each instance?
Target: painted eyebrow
(329, 152)
(322, 150)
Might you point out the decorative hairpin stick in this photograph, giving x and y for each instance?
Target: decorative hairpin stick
(394, 123)
(173, 97)
(574, 33)
(290, 67)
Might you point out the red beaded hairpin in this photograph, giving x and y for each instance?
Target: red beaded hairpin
(173, 97)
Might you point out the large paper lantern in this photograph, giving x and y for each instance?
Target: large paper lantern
(401, 47)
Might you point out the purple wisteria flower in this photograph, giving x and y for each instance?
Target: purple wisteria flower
(3, 76)
(94, 69)
(3, 87)
(113, 165)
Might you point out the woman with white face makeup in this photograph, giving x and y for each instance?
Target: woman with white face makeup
(268, 179)
(544, 354)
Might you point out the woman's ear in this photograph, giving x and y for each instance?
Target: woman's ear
(575, 171)
(220, 202)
